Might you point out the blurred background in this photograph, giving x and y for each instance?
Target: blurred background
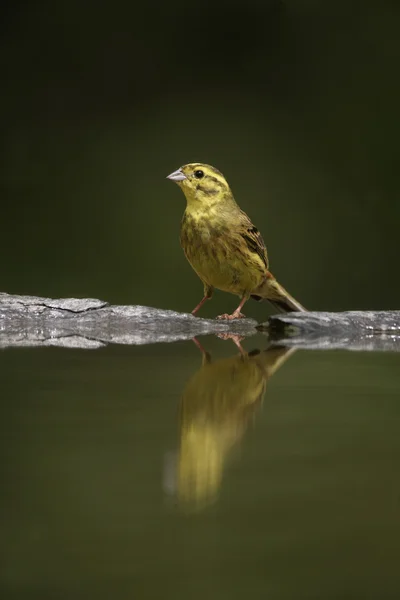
(296, 102)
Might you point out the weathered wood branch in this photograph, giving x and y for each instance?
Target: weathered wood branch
(90, 323)
(352, 330)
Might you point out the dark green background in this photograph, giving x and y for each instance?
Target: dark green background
(296, 102)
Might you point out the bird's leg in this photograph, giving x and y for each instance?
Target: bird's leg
(236, 339)
(208, 292)
(200, 304)
(206, 355)
(236, 313)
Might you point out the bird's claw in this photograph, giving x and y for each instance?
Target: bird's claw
(226, 317)
(236, 339)
(230, 336)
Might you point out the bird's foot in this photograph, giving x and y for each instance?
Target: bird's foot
(234, 315)
(230, 336)
(236, 339)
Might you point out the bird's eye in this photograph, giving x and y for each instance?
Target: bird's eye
(199, 174)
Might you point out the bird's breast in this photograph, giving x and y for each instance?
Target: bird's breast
(200, 242)
(218, 255)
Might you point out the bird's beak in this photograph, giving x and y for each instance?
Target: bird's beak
(177, 176)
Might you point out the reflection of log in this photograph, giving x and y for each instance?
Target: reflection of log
(352, 330)
(87, 323)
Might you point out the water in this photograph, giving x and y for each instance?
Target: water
(136, 472)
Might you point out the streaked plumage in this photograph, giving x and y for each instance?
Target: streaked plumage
(221, 243)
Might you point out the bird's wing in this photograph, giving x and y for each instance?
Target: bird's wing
(253, 238)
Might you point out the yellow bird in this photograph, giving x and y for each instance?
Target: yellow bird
(221, 243)
(217, 405)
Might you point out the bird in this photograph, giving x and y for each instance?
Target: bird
(217, 405)
(221, 243)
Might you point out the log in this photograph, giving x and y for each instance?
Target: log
(351, 330)
(91, 323)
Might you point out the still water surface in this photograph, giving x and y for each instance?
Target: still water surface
(156, 471)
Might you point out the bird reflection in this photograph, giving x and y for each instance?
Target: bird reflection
(216, 406)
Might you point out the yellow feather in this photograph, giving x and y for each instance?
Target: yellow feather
(221, 243)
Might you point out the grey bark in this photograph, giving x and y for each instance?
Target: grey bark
(352, 330)
(91, 323)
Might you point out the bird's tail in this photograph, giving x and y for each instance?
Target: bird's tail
(276, 294)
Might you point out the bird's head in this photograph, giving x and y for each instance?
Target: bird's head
(202, 184)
